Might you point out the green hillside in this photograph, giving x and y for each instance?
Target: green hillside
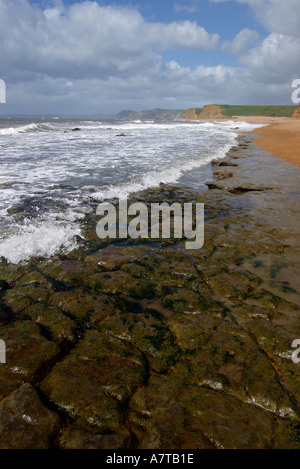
(273, 111)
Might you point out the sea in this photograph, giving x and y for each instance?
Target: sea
(51, 175)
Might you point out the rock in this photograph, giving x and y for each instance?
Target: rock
(28, 354)
(4, 285)
(67, 274)
(75, 438)
(287, 435)
(227, 286)
(98, 374)
(87, 309)
(296, 114)
(225, 174)
(113, 257)
(111, 282)
(76, 129)
(221, 163)
(232, 363)
(146, 332)
(25, 423)
(56, 325)
(166, 414)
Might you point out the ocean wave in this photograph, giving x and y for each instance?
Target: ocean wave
(166, 176)
(40, 240)
(23, 128)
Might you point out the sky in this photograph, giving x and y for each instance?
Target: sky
(72, 57)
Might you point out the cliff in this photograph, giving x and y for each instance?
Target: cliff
(296, 114)
(214, 111)
(211, 111)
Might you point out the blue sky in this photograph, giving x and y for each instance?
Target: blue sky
(90, 57)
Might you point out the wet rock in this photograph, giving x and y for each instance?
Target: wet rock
(166, 414)
(18, 299)
(76, 438)
(146, 332)
(228, 286)
(170, 268)
(291, 374)
(56, 325)
(287, 435)
(115, 256)
(25, 423)
(232, 363)
(10, 273)
(98, 373)
(221, 163)
(268, 299)
(225, 174)
(87, 309)
(4, 316)
(28, 354)
(70, 273)
(189, 302)
(193, 330)
(110, 282)
(4, 286)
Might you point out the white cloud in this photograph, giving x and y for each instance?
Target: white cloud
(241, 42)
(275, 60)
(87, 39)
(278, 16)
(190, 7)
(91, 59)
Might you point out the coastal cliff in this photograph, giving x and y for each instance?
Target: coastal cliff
(225, 111)
(296, 114)
(210, 111)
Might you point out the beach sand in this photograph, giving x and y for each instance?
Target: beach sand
(281, 137)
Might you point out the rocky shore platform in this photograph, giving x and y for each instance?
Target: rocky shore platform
(144, 344)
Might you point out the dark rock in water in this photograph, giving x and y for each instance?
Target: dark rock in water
(4, 285)
(212, 185)
(28, 355)
(243, 190)
(225, 174)
(222, 163)
(76, 129)
(25, 423)
(75, 438)
(101, 373)
(121, 135)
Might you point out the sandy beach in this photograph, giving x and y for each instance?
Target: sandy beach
(281, 137)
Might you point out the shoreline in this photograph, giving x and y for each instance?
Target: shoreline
(280, 136)
(282, 139)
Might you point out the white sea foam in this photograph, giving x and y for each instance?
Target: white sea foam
(43, 240)
(49, 177)
(22, 128)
